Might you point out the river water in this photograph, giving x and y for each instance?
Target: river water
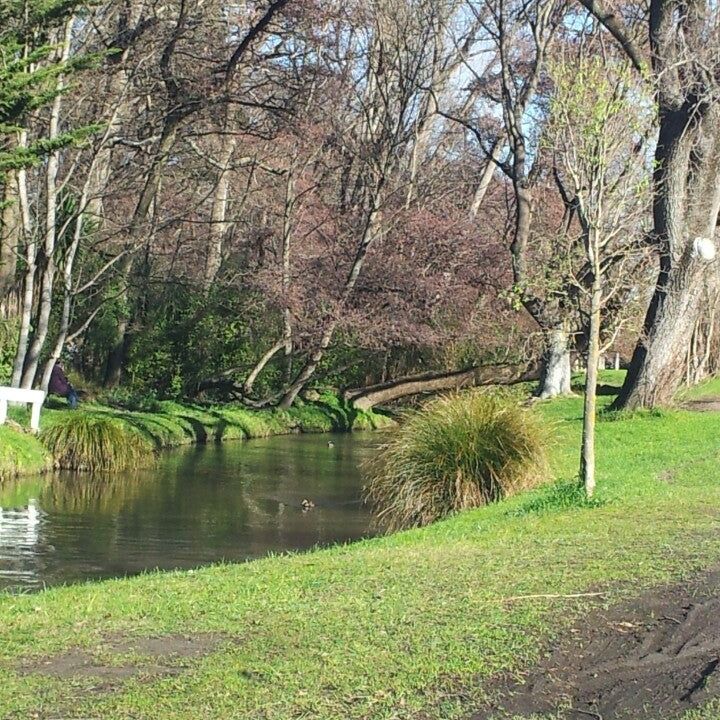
(199, 505)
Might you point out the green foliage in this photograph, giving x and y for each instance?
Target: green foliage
(84, 441)
(8, 343)
(458, 452)
(188, 337)
(29, 73)
(129, 399)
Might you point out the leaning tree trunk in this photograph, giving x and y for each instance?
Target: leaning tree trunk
(555, 378)
(387, 392)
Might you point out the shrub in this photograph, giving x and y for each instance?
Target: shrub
(460, 451)
(80, 441)
(8, 343)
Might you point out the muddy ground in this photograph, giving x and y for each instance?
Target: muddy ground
(656, 656)
(117, 659)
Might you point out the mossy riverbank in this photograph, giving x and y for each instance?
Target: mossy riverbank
(172, 424)
(405, 626)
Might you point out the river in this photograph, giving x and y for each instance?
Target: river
(196, 506)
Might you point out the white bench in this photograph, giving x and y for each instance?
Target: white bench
(36, 397)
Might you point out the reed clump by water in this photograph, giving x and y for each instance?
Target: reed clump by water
(460, 451)
(80, 441)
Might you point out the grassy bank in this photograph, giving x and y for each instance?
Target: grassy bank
(21, 454)
(399, 627)
(171, 424)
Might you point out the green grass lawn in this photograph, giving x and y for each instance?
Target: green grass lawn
(404, 626)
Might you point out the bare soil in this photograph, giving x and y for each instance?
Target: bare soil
(708, 404)
(120, 658)
(656, 656)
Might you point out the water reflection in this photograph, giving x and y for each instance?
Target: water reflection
(201, 505)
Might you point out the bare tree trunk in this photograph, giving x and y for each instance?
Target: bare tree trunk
(687, 197)
(369, 397)
(683, 211)
(703, 341)
(286, 272)
(556, 364)
(657, 365)
(219, 225)
(68, 285)
(587, 453)
(30, 244)
(99, 173)
(62, 334)
(264, 360)
(486, 178)
(51, 191)
(116, 356)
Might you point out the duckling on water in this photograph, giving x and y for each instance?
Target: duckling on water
(331, 443)
(307, 505)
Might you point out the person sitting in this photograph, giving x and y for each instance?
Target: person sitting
(60, 385)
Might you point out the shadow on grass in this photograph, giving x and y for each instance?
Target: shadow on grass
(157, 432)
(556, 497)
(219, 427)
(199, 431)
(602, 389)
(341, 418)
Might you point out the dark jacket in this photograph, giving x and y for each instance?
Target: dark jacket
(59, 384)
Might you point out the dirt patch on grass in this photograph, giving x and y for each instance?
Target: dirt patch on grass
(709, 404)
(656, 656)
(116, 659)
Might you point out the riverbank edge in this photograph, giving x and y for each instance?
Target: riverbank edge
(169, 424)
(405, 625)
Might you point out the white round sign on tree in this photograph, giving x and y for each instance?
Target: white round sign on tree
(704, 248)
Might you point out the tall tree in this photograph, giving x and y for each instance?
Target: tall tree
(682, 64)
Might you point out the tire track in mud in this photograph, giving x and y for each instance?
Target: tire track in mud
(655, 656)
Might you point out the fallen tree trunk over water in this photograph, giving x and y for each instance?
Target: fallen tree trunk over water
(368, 397)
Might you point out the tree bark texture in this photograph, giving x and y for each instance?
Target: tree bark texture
(556, 373)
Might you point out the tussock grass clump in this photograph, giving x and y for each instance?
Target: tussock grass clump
(81, 441)
(460, 451)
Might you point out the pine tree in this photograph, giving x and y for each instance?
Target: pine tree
(29, 71)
